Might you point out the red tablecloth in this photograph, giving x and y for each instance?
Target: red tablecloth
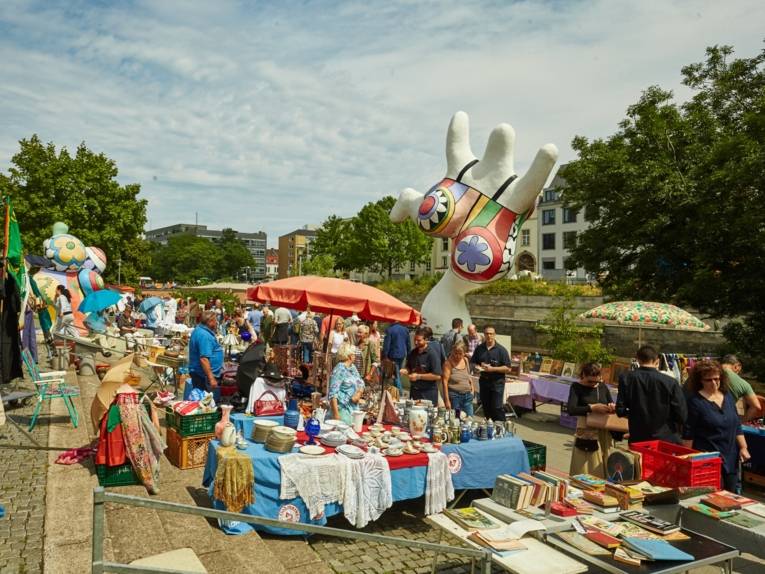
(394, 462)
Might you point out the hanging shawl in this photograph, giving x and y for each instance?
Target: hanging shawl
(234, 479)
(143, 444)
(439, 488)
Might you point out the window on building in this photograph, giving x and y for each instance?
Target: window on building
(525, 237)
(569, 215)
(444, 263)
(445, 244)
(548, 241)
(569, 239)
(550, 195)
(427, 266)
(548, 264)
(548, 217)
(411, 267)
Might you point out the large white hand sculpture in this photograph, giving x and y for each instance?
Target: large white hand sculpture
(479, 204)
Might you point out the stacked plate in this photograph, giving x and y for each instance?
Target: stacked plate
(333, 439)
(261, 430)
(281, 439)
(350, 451)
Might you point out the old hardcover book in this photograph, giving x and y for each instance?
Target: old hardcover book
(602, 539)
(580, 542)
(711, 512)
(649, 522)
(471, 518)
(720, 502)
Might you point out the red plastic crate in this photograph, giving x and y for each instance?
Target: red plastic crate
(662, 465)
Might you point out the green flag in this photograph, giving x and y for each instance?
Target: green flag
(14, 250)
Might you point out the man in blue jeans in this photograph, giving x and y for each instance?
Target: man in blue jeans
(206, 355)
(396, 347)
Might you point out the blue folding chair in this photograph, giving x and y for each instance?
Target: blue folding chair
(50, 385)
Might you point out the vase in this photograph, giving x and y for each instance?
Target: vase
(312, 428)
(228, 435)
(292, 414)
(418, 421)
(224, 420)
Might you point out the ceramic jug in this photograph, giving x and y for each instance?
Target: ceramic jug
(225, 420)
(228, 436)
(418, 421)
(292, 414)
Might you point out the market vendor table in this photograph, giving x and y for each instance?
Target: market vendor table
(546, 389)
(755, 441)
(705, 550)
(408, 478)
(538, 558)
(245, 423)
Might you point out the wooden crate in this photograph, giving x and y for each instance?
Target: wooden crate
(187, 452)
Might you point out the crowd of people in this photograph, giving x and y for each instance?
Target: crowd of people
(700, 413)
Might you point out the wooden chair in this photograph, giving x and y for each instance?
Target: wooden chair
(50, 385)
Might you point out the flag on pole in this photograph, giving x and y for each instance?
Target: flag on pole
(14, 250)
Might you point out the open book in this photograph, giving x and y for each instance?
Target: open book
(506, 537)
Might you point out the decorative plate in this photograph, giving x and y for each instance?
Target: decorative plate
(312, 449)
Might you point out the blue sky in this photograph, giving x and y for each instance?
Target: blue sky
(272, 115)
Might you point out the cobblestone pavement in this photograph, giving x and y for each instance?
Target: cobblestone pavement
(403, 520)
(23, 471)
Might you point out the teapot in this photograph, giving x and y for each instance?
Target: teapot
(228, 436)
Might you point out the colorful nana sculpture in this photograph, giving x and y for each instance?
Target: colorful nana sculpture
(481, 206)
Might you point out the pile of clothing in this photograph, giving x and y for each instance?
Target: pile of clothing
(127, 434)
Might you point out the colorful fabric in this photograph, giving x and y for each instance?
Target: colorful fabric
(343, 384)
(647, 313)
(140, 449)
(14, 249)
(111, 444)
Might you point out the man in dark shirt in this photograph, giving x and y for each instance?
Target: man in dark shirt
(653, 402)
(493, 362)
(423, 366)
(396, 347)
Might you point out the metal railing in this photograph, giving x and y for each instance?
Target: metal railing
(101, 497)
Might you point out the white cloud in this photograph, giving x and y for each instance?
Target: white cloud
(270, 116)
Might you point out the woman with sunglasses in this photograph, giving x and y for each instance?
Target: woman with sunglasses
(713, 423)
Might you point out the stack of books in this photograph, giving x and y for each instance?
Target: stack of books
(629, 498)
(724, 500)
(506, 538)
(578, 504)
(601, 501)
(588, 482)
(518, 491)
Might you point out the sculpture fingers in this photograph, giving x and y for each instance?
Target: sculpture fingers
(524, 191)
(458, 152)
(407, 205)
(497, 161)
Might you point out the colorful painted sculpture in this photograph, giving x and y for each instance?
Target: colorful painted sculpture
(66, 252)
(481, 206)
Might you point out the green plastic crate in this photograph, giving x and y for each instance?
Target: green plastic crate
(123, 475)
(537, 455)
(192, 425)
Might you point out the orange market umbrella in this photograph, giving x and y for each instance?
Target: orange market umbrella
(335, 296)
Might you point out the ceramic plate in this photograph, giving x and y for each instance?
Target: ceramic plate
(350, 451)
(312, 449)
(333, 422)
(386, 453)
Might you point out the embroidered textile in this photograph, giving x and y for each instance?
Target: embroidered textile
(368, 489)
(143, 444)
(439, 488)
(317, 480)
(234, 479)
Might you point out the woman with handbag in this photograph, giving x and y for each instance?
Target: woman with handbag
(345, 385)
(591, 445)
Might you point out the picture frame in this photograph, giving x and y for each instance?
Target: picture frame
(546, 365)
(569, 370)
(557, 367)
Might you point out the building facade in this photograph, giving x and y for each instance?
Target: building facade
(294, 249)
(272, 264)
(255, 243)
(558, 229)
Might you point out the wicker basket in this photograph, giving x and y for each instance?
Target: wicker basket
(187, 452)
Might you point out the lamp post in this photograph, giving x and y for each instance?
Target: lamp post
(119, 271)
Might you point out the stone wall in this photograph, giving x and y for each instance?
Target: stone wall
(517, 316)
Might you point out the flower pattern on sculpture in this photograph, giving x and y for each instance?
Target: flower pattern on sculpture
(471, 253)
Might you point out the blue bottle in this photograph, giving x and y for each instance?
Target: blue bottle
(292, 414)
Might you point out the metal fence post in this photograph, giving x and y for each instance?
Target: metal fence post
(98, 530)
(486, 563)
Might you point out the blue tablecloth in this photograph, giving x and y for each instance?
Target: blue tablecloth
(755, 441)
(474, 465)
(244, 422)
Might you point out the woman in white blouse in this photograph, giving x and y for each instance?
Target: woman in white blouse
(64, 316)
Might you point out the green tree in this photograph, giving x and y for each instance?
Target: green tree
(81, 190)
(234, 254)
(321, 265)
(379, 245)
(675, 197)
(568, 341)
(332, 242)
(185, 259)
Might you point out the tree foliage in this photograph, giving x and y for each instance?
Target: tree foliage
(81, 190)
(568, 341)
(234, 254)
(370, 241)
(675, 196)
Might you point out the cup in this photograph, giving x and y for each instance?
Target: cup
(395, 430)
(358, 420)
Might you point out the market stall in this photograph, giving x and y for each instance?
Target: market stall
(471, 465)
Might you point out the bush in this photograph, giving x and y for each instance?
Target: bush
(571, 342)
(229, 300)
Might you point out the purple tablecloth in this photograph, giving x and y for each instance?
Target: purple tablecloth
(547, 390)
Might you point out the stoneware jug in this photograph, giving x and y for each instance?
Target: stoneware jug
(228, 436)
(418, 421)
(225, 419)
